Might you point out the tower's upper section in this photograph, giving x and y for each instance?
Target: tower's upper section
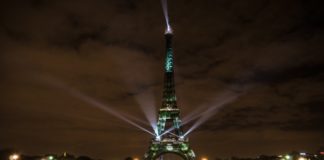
(169, 99)
(168, 65)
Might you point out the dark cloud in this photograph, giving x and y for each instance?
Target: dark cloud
(285, 75)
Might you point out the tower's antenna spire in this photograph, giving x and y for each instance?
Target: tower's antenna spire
(168, 29)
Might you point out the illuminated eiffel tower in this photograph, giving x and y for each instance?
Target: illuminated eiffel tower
(169, 136)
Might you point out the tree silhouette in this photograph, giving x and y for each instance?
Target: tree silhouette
(83, 158)
(129, 158)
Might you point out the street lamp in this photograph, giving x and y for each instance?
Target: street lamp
(50, 157)
(287, 157)
(14, 157)
(204, 158)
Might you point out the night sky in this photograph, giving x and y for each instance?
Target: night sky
(268, 52)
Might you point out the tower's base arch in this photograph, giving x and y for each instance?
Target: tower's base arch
(158, 149)
(170, 156)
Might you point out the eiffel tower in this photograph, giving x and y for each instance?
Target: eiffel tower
(169, 136)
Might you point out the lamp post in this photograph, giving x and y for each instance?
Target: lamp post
(14, 157)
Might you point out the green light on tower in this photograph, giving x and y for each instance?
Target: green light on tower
(184, 147)
(169, 147)
(169, 61)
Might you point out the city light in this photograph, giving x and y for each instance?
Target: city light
(14, 157)
(287, 157)
(302, 153)
(204, 158)
(302, 158)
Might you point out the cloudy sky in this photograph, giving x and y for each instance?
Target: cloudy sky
(57, 55)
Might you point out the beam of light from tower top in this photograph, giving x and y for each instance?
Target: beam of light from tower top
(96, 103)
(166, 16)
(146, 103)
(207, 114)
(203, 113)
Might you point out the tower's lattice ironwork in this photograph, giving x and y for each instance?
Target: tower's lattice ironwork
(169, 136)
